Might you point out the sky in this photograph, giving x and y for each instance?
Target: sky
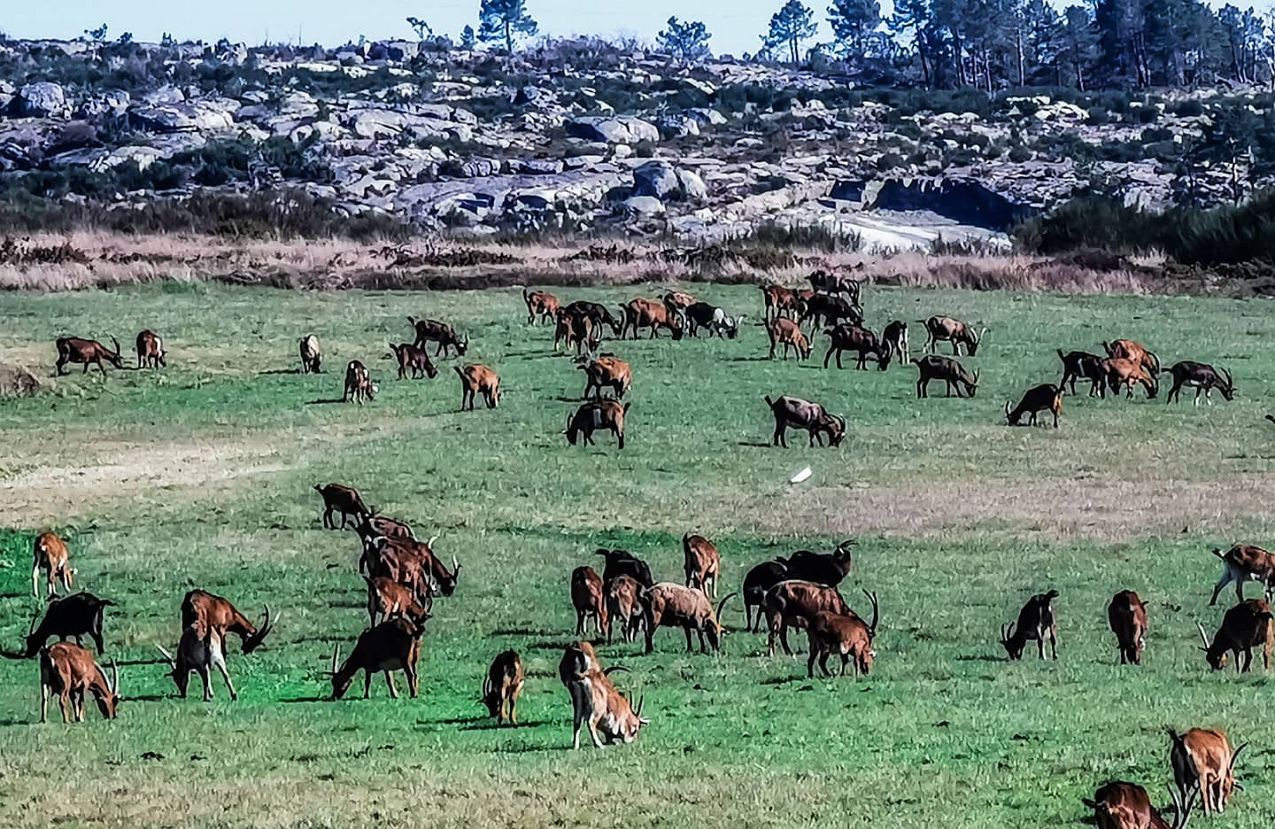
(736, 25)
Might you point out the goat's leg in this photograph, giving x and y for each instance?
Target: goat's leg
(1222, 582)
(389, 680)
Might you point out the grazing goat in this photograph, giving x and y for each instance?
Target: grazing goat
(894, 339)
(414, 360)
(757, 581)
(375, 525)
(358, 384)
(947, 329)
(433, 331)
(387, 598)
(346, 500)
(1201, 377)
(601, 414)
(1123, 372)
(1119, 805)
(503, 685)
(311, 355)
(1137, 352)
(597, 313)
(624, 606)
(150, 350)
(1203, 762)
(1043, 398)
(947, 369)
(576, 330)
(50, 554)
(77, 615)
(412, 564)
(200, 649)
(390, 646)
(71, 672)
(674, 605)
(787, 333)
(217, 613)
(595, 701)
(1244, 627)
(835, 283)
(1127, 616)
(477, 379)
(795, 413)
(712, 319)
(1241, 563)
(679, 300)
(793, 602)
(778, 299)
(649, 313)
(607, 371)
(589, 601)
(623, 563)
(830, 310)
(702, 563)
(853, 338)
(822, 568)
(87, 352)
(847, 636)
(1078, 364)
(539, 304)
(1035, 622)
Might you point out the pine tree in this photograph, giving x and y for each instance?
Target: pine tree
(1080, 44)
(467, 38)
(853, 22)
(914, 19)
(685, 41)
(789, 26)
(503, 20)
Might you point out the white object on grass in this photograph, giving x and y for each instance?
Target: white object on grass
(801, 476)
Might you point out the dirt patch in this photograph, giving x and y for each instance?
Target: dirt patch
(16, 381)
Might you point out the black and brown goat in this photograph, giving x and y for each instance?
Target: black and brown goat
(600, 414)
(894, 340)
(358, 384)
(1043, 398)
(577, 330)
(540, 304)
(947, 369)
(1245, 562)
(701, 562)
(433, 331)
(785, 332)
(1120, 805)
(150, 350)
(860, 340)
(779, 300)
(589, 601)
(948, 329)
(822, 568)
(413, 361)
(70, 672)
(793, 602)
(1127, 616)
(200, 649)
(607, 371)
(50, 554)
(624, 563)
(675, 605)
(847, 636)
(1083, 365)
(311, 354)
(795, 413)
(87, 352)
(503, 685)
(1246, 626)
(343, 500)
(1035, 622)
(478, 379)
(595, 701)
(77, 615)
(757, 582)
(1201, 377)
(597, 313)
(390, 646)
(1203, 762)
(830, 310)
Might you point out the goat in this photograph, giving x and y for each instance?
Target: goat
(70, 672)
(387, 598)
(1241, 563)
(1137, 352)
(649, 313)
(597, 313)
(712, 319)
(1203, 762)
(412, 564)
(50, 554)
(77, 615)
(200, 649)
(778, 299)
(947, 369)
(835, 283)
(346, 500)
(539, 304)
(1201, 377)
(576, 330)
(588, 600)
(623, 595)
(358, 384)
(793, 602)
(1043, 398)
(947, 329)
(1035, 621)
(757, 581)
(1078, 364)
(590, 417)
(87, 352)
(433, 331)
(478, 379)
(414, 360)
(822, 568)
(623, 563)
(394, 645)
(1119, 805)
(673, 605)
(595, 701)
(375, 525)
(607, 371)
(311, 355)
(503, 685)
(853, 338)
(894, 339)
(830, 310)
(702, 563)
(1127, 616)
(847, 636)
(679, 300)
(787, 333)
(217, 613)
(795, 413)
(1126, 373)
(150, 350)
(1244, 627)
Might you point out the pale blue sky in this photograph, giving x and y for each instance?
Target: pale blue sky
(735, 24)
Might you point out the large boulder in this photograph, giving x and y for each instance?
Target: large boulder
(112, 103)
(643, 207)
(214, 115)
(617, 130)
(42, 99)
(678, 126)
(661, 180)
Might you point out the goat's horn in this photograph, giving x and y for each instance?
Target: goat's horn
(1203, 636)
(431, 541)
(168, 657)
(34, 620)
(336, 651)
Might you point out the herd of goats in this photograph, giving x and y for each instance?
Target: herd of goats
(404, 575)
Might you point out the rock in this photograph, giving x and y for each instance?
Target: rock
(16, 381)
(40, 100)
(619, 130)
(707, 117)
(660, 180)
(213, 115)
(678, 126)
(474, 167)
(643, 207)
(537, 166)
(110, 104)
(692, 186)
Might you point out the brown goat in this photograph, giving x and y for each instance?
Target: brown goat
(1118, 805)
(346, 500)
(1043, 398)
(624, 606)
(87, 352)
(219, 614)
(793, 602)
(673, 605)
(854, 338)
(311, 354)
(605, 371)
(503, 685)
(1241, 563)
(478, 379)
(1244, 627)
(650, 313)
(1203, 761)
(50, 554)
(1122, 372)
(387, 598)
(540, 305)
(71, 672)
(433, 331)
(390, 646)
(1137, 352)
(1035, 621)
(779, 299)
(577, 329)
(589, 601)
(602, 414)
(595, 701)
(1127, 616)
(848, 636)
(358, 383)
(702, 563)
(150, 350)
(414, 360)
(947, 369)
(947, 329)
(787, 333)
(795, 413)
(412, 564)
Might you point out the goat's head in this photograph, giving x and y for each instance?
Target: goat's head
(109, 701)
(1012, 644)
(1216, 656)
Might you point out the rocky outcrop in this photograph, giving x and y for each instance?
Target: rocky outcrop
(663, 181)
(40, 100)
(618, 130)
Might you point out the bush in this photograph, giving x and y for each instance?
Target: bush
(1190, 108)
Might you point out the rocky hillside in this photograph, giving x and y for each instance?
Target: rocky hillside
(581, 137)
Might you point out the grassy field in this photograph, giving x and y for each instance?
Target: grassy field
(201, 475)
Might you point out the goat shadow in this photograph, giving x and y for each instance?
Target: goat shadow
(488, 724)
(754, 444)
(324, 402)
(292, 700)
(279, 371)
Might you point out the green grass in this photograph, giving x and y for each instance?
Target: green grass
(200, 476)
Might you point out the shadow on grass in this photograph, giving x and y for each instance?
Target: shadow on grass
(754, 444)
(133, 662)
(486, 724)
(747, 360)
(269, 372)
(292, 700)
(522, 632)
(981, 658)
(151, 698)
(323, 402)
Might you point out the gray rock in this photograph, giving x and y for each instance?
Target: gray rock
(212, 115)
(660, 180)
(40, 100)
(707, 117)
(678, 126)
(617, 130)
(537, 166)
(643, 207)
